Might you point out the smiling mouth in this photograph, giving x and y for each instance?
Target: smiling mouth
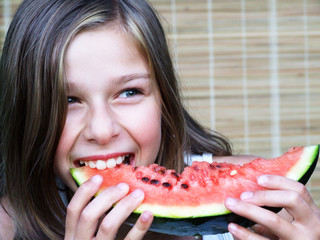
(102, 164)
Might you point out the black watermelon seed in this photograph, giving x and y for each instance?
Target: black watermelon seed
(166, 184)
(174, 174)
(185, 186)
(145, 179)
(154, 182)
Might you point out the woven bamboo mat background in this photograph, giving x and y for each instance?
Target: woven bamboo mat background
(249, 69)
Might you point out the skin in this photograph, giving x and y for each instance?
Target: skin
(114, 106)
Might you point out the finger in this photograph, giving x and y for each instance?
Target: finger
(241, 233)
(263, 231)
(277, 225)
(141, 227)
(292, 201)
(78, 202)
(280, 182)
(89, 218)
(115, 218)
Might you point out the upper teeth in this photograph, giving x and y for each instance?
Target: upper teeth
(103, 164)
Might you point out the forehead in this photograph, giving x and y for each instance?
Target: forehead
(105, 40)
(129, 33)
(112, 45)
(100, 34)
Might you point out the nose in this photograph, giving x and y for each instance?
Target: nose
(101, 126)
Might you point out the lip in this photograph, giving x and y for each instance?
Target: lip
(105, 157)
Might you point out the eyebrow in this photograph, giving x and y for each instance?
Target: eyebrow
(126, 78)
(130, 77)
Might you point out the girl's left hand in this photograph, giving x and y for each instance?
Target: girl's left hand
(302, 218)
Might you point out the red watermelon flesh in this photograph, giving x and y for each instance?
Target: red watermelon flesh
(200, 190)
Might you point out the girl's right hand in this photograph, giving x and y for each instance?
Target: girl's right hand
(87, 219)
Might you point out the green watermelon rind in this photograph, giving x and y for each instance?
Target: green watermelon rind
(183, 212)
(301, 172)
(303, 169)
(77, 176)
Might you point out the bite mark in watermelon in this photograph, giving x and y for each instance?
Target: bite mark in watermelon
(200, 190)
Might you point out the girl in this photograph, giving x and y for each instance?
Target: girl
(92, 82)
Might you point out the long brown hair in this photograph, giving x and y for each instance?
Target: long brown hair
(33, 102)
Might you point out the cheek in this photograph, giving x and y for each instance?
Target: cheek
(68, 137)
(61, 162)
(63, 146)
(148, 135)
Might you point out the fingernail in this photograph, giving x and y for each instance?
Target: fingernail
(137, 193)
(96, 179)
(230, 202)
(123, 186)
(145, 216)
(246, 195)
(262, 180)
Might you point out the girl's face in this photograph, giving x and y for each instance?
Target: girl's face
(114, 111)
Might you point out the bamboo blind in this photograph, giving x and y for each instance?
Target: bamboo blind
(249, 69)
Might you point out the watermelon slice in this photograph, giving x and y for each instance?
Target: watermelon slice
(200, 190)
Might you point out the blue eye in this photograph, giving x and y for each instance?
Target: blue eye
(129, 93)
(72, 100)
